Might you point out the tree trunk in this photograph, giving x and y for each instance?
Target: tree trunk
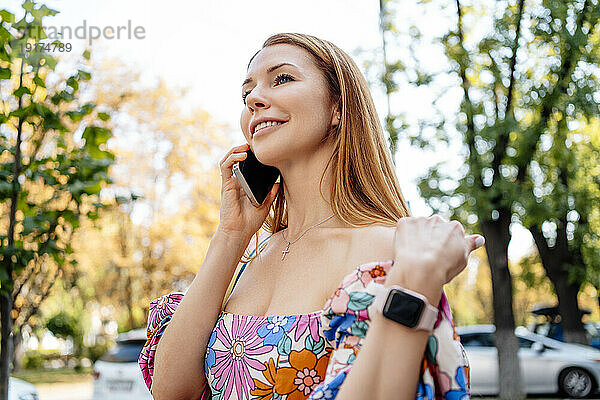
(555, 261)
(573, 330)
(497, 237)
(129, 299)
(5, 344)
(18, 353)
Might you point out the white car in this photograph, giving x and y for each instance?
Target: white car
(21, 390)
(547, 365)
(117, 374)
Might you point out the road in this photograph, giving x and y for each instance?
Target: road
(66, 391)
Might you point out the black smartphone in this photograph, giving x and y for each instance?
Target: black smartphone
(256, 178)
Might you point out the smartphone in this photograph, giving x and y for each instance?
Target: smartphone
(256, 178)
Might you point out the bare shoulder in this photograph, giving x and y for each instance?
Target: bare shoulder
(367, 244)
(378, 237)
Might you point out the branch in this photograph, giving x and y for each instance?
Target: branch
(567, 66)
(465, 84)
(51, 231)
(20, 320)
(500, 148)
(540, 241)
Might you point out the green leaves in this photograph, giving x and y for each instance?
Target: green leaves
(21, 91)
(7, 16)
(83, 75)
(5, 73)
(60, 176)
(95, 137)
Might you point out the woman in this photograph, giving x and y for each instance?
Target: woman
(340, 238)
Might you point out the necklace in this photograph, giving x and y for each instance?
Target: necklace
(284, 252)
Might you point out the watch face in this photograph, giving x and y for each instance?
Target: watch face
(403, 308)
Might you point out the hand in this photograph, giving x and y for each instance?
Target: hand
(238, 216)
(430, 252)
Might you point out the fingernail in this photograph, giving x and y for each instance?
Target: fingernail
(479, 241)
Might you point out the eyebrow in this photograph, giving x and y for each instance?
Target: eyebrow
(271, 69)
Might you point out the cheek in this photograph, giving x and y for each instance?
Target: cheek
(244, 121)
(313, 105)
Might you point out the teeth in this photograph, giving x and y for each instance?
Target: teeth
(266, 124)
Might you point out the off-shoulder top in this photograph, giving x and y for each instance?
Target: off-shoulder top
(307, 356)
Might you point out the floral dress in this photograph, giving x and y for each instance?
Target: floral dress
(307, 356)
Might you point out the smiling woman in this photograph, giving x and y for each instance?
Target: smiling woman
(356, 257)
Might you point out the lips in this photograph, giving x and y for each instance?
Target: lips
(258, 121)
(267, 128)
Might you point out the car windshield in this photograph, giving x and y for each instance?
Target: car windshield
(125, 351)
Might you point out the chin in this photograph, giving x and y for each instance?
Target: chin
(269, 152)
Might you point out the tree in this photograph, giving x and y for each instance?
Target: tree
(53, 164)
(536, 67)
(155, 244)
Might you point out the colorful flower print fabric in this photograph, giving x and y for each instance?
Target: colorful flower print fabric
(307, 356)
(279, 357)
(346, 319)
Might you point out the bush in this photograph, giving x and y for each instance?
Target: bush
(33, 360)
(96, 351)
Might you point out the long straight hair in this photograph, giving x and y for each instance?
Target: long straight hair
(365, 187)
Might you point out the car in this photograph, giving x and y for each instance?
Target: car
(547, 365)
(117, 374)
(551, 324)
(20, 390)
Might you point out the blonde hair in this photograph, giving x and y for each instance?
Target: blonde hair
(365, 188)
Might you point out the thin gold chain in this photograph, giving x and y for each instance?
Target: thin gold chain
(286, 250)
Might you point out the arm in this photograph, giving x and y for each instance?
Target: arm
(390, 357)
(179, 357)
(432, 252)
(396, 362)
(402, 363)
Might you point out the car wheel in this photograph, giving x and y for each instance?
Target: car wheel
(576, 383)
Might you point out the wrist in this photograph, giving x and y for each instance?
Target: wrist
(233, 244)
(232, 237)
(419, 279)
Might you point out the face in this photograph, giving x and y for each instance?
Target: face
(283, 84)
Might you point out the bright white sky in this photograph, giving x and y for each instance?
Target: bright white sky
(206, 45)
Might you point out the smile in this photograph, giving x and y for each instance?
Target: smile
(267, 126)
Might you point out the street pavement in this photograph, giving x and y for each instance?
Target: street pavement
(66, 391)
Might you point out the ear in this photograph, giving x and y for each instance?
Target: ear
(335, 118)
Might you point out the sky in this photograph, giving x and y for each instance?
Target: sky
(205, 46)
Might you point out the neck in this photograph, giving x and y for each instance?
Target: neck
(308, 204)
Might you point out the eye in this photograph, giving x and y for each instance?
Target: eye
(244, 95)
(283, 76)
(280, 78)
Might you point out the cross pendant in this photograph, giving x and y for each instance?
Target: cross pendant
(284, 252)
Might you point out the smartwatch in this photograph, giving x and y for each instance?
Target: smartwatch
(405, 307)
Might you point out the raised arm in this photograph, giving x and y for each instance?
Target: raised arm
(179, 358)
(377, 358)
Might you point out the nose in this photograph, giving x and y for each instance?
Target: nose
(255, 100)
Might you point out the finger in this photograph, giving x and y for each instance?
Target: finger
(227, 166)
(474, 241)
(437, 218)
(236, 149)
(271, 196)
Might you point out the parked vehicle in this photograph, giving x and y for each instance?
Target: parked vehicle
(20, 390)
(551, 325)
(547, 365)
(117, 375)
